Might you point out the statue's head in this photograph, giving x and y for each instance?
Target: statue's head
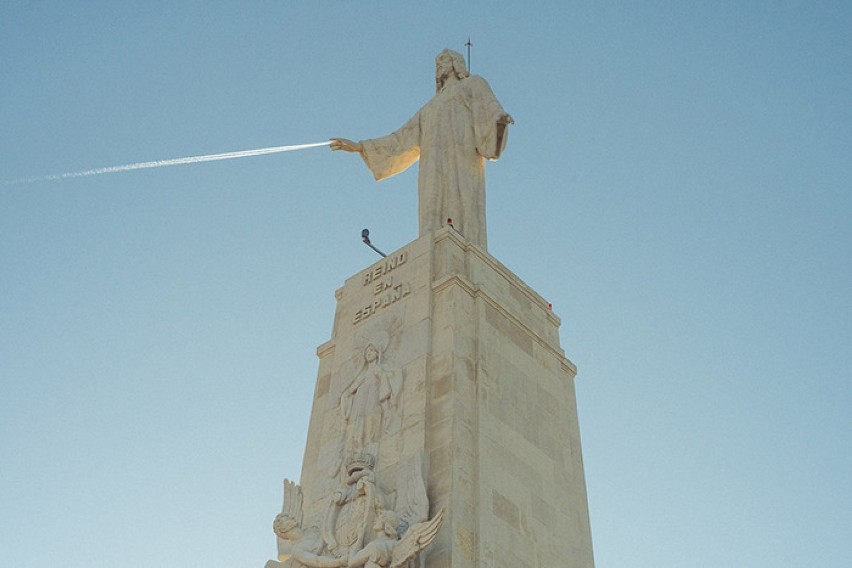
(388, 523)
(284, 526)
(449, 61)
(371, 353)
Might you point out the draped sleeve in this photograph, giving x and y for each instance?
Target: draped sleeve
(490, 136)
(394, 153)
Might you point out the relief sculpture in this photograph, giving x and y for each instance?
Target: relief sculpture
(361, 526)
(452, 136)
(370, 401)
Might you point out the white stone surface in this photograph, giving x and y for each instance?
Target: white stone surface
(483, 408)
(452, 136)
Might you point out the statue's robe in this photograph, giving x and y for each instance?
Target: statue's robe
(452, 136)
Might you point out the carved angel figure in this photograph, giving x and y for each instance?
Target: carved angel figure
(359, 529)
(388, 550)
(298, 547)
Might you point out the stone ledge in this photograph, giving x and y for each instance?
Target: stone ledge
(326, 349)
(478, 292)
(512, 278)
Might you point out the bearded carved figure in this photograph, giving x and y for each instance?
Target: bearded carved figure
(451, 136)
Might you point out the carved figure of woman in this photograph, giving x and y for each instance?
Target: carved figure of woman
(369, 401)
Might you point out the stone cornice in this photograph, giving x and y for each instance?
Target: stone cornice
(501, 269)
(478, 292)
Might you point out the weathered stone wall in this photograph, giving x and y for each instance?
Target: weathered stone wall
(486, 403)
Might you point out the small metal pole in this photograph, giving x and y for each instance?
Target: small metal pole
(468, 44)
(365, 236)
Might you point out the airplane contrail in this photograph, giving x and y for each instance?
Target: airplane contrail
(172, 162)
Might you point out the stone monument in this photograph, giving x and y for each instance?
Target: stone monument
(452, 136)
(444, 431)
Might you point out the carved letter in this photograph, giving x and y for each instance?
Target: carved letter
(383, 285)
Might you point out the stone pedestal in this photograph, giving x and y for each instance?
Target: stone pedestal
(469, 389)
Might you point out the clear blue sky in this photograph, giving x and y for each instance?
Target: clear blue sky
(678, 184)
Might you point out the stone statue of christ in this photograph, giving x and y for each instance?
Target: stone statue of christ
(452, 136)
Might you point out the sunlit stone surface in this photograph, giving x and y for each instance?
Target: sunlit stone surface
(444, 425)
(446, 369)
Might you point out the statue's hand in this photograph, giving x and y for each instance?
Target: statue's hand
(345, 145)
(506, 119)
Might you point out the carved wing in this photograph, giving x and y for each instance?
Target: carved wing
(416, 539)
(292, 501)
(412, 503)
(290, 516)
